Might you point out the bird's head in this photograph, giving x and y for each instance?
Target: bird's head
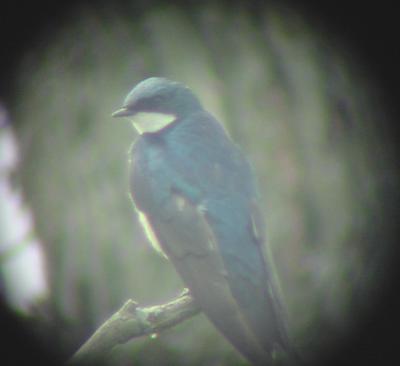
(157, 102)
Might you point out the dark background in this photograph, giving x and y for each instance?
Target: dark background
(368, 30)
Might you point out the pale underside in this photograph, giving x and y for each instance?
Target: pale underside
(151, 121)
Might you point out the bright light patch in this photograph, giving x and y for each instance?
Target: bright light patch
(22, 260)
(151, 121)
(150, 233)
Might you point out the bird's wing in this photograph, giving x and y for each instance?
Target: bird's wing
(275, 309)
(189, 242)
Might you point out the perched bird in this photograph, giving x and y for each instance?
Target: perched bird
(196, 197)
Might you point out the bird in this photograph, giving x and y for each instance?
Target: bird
(197, 199)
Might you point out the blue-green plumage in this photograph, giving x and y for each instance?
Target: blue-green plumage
(197, 195)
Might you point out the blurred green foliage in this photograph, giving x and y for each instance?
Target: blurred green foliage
(299, 110)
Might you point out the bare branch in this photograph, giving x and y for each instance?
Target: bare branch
(132, 321)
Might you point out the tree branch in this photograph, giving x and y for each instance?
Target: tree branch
(132, 321)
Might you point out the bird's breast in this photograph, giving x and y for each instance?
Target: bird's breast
(148, 178)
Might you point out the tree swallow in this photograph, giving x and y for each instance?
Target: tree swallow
(196, 197)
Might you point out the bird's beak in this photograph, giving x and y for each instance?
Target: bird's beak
(122, 112)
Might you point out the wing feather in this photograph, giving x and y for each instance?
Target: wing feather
(189, 242)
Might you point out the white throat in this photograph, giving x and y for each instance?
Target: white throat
(151, 121)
